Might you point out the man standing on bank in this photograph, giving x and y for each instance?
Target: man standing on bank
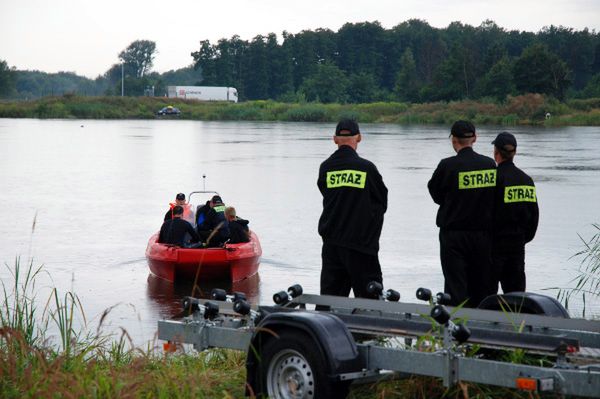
(516, 216)
(354, 202)
(463, 186)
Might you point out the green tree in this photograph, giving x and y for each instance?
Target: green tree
(205, 59)
(453, 78)
(7, 79)
(427, 44)
(362, 88)
(256, 74)
(309, 49)
(138, 57)
(592, 89)
(229, 61)
(540, 71)
(407, 81)
(575, 48)
(279, 68)
(498, 82)
(361, 49)
(328, 84)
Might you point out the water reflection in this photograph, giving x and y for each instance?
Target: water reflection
(167, 295)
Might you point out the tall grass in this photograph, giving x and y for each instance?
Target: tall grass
(95, 365)
(18, 308)
(586, 284)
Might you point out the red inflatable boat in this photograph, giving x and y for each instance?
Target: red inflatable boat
(235, 261)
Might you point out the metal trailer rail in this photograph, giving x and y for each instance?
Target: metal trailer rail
(338, 345)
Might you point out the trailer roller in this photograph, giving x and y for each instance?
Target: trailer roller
(219, 294)
(376, 288)
(283, 297)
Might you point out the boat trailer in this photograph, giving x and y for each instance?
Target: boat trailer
(314, 346)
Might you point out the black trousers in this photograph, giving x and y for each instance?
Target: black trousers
(466, 258)
(344, 269)
(509, 265)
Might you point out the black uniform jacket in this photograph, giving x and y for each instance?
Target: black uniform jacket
(215, 217)
(354, 201)
(238, 230)
(516, 213)
(463, 186)
(173, 231)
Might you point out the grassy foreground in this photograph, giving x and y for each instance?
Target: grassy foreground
(81, 361)
(529, 109)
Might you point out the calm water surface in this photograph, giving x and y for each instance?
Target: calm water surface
(101, 188)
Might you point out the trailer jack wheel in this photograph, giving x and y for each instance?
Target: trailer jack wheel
(291, 368)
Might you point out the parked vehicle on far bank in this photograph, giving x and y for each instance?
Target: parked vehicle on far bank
(203, 93)
(169, 110)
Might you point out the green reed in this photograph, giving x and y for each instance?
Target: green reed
(586, 284)
(83, 364)
(18, 307)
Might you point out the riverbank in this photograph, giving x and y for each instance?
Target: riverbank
(530, 109)
(84, 361)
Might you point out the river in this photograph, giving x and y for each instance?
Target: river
(82, 197)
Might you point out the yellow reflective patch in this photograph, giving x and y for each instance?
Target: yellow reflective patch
(519, 194)
(219, 208)
(477, 179)
(346, 178)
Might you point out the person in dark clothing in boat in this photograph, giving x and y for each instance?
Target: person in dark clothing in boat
(516, 216)
(464, 186)
(238, 227)
(354, 202)
(201, 211)
(188, 213)
(215, 228)
(175, 231)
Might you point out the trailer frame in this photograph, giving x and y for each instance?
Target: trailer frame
(573, 345)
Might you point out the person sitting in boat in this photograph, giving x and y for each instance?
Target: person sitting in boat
(176, 231)
(238, 227)
(188, 213)
(215, 228)
(201, 212)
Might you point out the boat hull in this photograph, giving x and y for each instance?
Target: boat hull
(236, 261)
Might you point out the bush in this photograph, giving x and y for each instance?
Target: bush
(526, 106)
(306, 113)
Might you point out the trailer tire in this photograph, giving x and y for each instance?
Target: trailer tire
(291, 366)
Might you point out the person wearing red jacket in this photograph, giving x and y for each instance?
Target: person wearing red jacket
(188, 213)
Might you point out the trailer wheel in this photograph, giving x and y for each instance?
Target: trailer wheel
(291, 368)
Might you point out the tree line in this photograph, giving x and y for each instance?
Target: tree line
(364, 62)
(134, 68)
(413, 61)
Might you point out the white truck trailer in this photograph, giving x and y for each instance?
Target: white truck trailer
(204, 93)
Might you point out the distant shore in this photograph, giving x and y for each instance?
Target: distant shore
(529, 109)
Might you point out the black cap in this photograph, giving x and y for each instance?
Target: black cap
(505, 139)
(462, 129)
(347, 127)
(216, 199)
(180, 196)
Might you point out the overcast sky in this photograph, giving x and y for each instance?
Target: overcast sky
(86, 36)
